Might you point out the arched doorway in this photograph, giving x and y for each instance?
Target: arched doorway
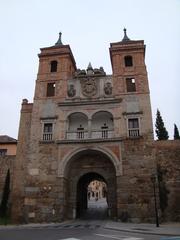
(84, 167)
(92, 202)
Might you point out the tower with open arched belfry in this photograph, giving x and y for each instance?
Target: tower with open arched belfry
(85, 125)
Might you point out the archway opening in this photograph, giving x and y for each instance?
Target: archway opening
(97, 199)
(83, 168)
(92, 197)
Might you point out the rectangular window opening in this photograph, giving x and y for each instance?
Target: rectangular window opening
(54, 66)
(131, 84)
(3, 152)
(51, 89)
(133, 127)
(47, 132)
(128, 61)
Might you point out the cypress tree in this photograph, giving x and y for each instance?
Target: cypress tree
(5, 196)
(176, 132)
(161, 131)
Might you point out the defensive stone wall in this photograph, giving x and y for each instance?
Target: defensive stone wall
(168, 169)
(135, 195)
(167, 156)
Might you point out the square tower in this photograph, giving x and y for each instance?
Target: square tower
(131, 83)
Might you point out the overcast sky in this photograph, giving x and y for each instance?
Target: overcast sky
(89, 27)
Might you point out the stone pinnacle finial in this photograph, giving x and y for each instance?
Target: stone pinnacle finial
(59, 42)
(89, 66)
(125, 38)
(90, 69)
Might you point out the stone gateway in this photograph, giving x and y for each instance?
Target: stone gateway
(85, 125)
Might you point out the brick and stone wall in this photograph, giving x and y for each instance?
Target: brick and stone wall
(47, 172)
(135, 196)
(168, 162)
(20, 164)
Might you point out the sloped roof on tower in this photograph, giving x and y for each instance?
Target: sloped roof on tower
(57, 49)
(127, 41)
(126, 44)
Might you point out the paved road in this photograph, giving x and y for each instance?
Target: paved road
(82, 230)
(96, 210)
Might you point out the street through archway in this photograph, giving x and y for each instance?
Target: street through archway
(92, 197)
(85, 169)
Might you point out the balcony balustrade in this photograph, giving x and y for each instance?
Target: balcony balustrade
(102, 134)
(47, 136)
(74, 135)
(133, 133)
(94, 134)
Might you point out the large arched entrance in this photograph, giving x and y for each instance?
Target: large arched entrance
(92, 201)
(83, 168)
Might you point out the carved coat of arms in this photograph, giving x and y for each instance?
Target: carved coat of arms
(89, 87)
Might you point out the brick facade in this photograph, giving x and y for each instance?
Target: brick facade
(85, 125)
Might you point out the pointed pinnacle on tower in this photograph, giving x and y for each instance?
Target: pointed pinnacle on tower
(59, 41)
(89, 66)
(125, 38)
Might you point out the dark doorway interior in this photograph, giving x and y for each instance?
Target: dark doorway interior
(91, 204)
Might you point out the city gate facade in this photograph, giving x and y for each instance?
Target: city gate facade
(86, 125)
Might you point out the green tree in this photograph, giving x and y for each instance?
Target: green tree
(176, 132)
(161, 132)
(5, 196)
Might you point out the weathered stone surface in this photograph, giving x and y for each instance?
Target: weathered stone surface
(33, 171)
(168, 161)
(55, 161)
(30, 201)
(31, 189)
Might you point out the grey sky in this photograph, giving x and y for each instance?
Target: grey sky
(89, 27)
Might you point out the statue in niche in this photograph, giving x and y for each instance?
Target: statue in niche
(71, 91)
(108, 88)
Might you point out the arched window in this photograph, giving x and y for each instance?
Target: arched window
(77, 126)
(102, 120)
(128, 61)
(102, 125)
(54, 66)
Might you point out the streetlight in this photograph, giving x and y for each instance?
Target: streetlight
(153, 179)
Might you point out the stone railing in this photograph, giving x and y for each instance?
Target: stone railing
(95, 134)
(102, 134)
(133, 133)
(47, 137)
(73, 135)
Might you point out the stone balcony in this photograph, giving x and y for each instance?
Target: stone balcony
(91, 136)
(94, 134)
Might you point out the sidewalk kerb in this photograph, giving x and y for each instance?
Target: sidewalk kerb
(144, 232)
